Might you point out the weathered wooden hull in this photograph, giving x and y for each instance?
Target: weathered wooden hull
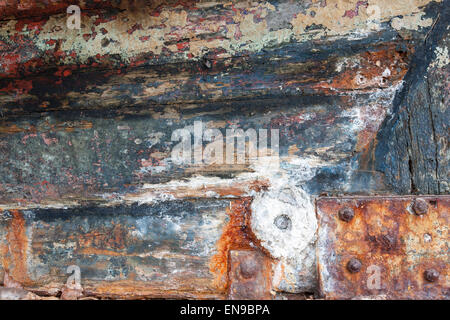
(358, 92)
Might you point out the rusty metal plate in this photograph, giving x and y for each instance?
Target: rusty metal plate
(384, 247)
(249, 275)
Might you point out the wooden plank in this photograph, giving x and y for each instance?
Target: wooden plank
(293, 70)
(412, 148)
(167, 32)
(82, 155)
(161, 250)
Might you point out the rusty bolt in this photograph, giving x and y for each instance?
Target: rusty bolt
(346, 214)
(420, 207)
(387, 241)
(248, 268)
(283, 222)
(431, 275)
(354, 265)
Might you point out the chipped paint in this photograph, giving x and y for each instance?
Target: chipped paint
(411, 22)
(230, 29)
(442, 58)
(335, 18)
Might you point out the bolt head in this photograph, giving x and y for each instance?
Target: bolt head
(346, 214)
(420, 206)
(431, 275)
(248, 268)
(283, 222)
(354, 265)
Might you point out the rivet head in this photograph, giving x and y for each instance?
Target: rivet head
(248, 268)
(431, 275)
(420, 206)
(346, 214)
(354, 265)
(283, 222)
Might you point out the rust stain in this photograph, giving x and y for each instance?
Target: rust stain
(236, 235)
(371, 117)
(15, 261)
(380, 69)
(233, 190)
(3, 252)
(114, 238)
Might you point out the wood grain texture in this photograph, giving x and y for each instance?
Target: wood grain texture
(413, 145)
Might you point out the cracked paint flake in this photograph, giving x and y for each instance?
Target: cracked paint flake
(233, 30)
(442, 58)
(411, 22)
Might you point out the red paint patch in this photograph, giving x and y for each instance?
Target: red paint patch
(51, 42)
(182, 45)
(353, 13)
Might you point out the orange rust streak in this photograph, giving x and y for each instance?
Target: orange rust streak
(369, 71)
(17, 245)
(114, 239)
(234, 236)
